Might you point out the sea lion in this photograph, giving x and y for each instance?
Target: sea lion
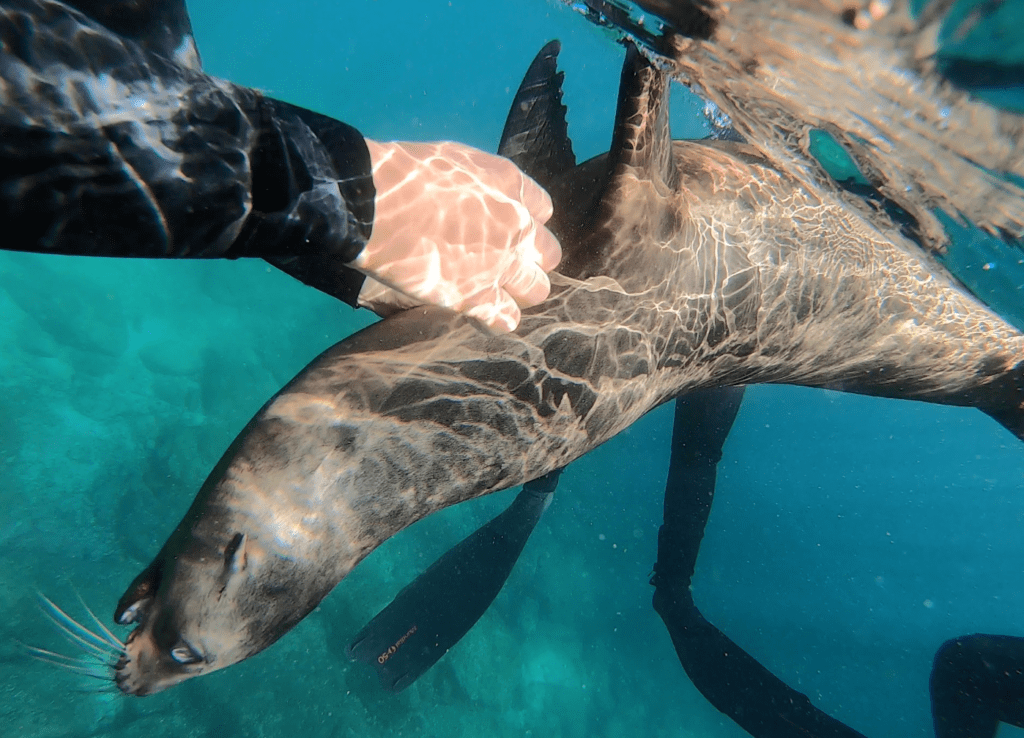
(687, 265)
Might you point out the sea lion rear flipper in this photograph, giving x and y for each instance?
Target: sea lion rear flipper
(159, 26)
(1010, 418)
(1003, 399)
(642, 139)
(434, 612)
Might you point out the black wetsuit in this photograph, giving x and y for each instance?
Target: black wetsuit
(977, 682)
(729, 678)
(113, 142)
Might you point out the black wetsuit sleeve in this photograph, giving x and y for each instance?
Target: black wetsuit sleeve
(109, 149)
(312, 198)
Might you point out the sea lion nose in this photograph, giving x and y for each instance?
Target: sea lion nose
(135, 662)
(121, 677)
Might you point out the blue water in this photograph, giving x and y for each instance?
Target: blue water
(850, 536)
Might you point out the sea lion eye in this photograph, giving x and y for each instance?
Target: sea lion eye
(184, 654)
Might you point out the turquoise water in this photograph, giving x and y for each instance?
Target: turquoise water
(850, 536)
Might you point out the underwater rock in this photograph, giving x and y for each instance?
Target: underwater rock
(171, 357)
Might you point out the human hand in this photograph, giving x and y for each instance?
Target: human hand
(457, 227)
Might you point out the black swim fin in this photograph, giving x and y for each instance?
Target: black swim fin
(438, 608)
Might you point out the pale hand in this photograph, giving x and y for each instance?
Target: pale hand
(457, 227)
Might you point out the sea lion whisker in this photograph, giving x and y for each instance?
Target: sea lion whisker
(87, 647)
(110, 689)
(87, 671)
(75, 632)
(112, 639)
(44, 653)
(89, 665)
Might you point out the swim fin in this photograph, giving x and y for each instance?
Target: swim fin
(438, 608)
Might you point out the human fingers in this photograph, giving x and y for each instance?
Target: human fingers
(527, 284)
(496, 309)
(506, 177)
(485, 250)
(384, 300)
(536, 199)
(548, 250)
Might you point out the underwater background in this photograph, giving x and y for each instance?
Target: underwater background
(849, 538)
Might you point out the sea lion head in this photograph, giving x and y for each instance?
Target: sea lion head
(204, 608)
(317, 480)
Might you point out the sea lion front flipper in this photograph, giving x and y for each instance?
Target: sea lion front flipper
(536, 136)
(434, 612)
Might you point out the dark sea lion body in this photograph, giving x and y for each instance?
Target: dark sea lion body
(687, 265)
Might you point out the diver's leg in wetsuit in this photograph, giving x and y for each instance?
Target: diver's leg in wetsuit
(439, 607)
(728, 677)
(702, 422)
(977, 682)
